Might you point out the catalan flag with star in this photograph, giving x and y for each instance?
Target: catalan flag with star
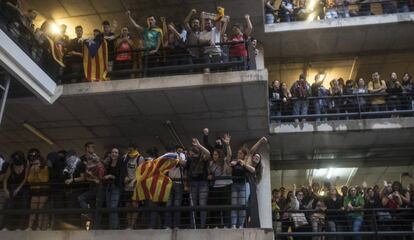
(95, 58)
(152, 182)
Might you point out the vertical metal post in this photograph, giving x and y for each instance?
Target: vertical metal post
(5, 88)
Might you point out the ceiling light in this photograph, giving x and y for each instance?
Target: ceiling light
(38, 133)
(330, 171)
(54, 28)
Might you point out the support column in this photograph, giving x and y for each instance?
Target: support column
(264, 190)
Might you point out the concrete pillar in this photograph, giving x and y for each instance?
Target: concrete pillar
(264, 190)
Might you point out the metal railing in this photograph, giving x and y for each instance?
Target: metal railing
(344, 107)
(111, 207)
(306, 10)
(368, 223)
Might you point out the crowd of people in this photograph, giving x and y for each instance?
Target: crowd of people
(203, 175)
(200, 39)
(345, 209)
(343, 97)
(301, 10)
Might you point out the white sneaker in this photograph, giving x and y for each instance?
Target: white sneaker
(233, 227)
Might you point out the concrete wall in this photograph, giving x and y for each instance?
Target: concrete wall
(203, 234)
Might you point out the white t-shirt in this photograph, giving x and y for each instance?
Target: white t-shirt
(211, 36)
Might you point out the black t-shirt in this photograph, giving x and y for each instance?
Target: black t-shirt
(197, 168)
(240, 173)
(75, 45)
(331, 204)
(111, 45)
(115, 171)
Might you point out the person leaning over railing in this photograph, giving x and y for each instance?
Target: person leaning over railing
(38, 174)
(353, 204)
(377, 86)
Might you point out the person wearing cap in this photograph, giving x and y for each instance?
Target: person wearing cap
(16, 190)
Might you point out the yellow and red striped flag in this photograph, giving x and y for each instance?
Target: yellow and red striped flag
(95, 59)
(152, 181)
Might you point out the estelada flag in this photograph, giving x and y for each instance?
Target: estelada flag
(95, 58)
(152, 182)
(56, 51)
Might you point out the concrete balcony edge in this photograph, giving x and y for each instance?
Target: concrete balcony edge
(340, 22)
(167, 82)
(182, 234)
(343, 125)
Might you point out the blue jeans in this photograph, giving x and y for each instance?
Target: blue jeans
(175, 199)
(238, 197)
(319, 109)
(300, 107)
(355, 223)
(94, 195)
(198, 197)
(113, 194)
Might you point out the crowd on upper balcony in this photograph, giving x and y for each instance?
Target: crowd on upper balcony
(333, 208)
(301, 10)
(200, 176)
(201, 38)
(342, 97)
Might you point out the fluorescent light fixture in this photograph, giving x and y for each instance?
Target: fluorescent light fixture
(38, 133)
(330, 171)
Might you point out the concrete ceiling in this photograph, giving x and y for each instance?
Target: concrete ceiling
(91, 13)
(346, 41)
(138, 115)
(368, 148)
(372, 175)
